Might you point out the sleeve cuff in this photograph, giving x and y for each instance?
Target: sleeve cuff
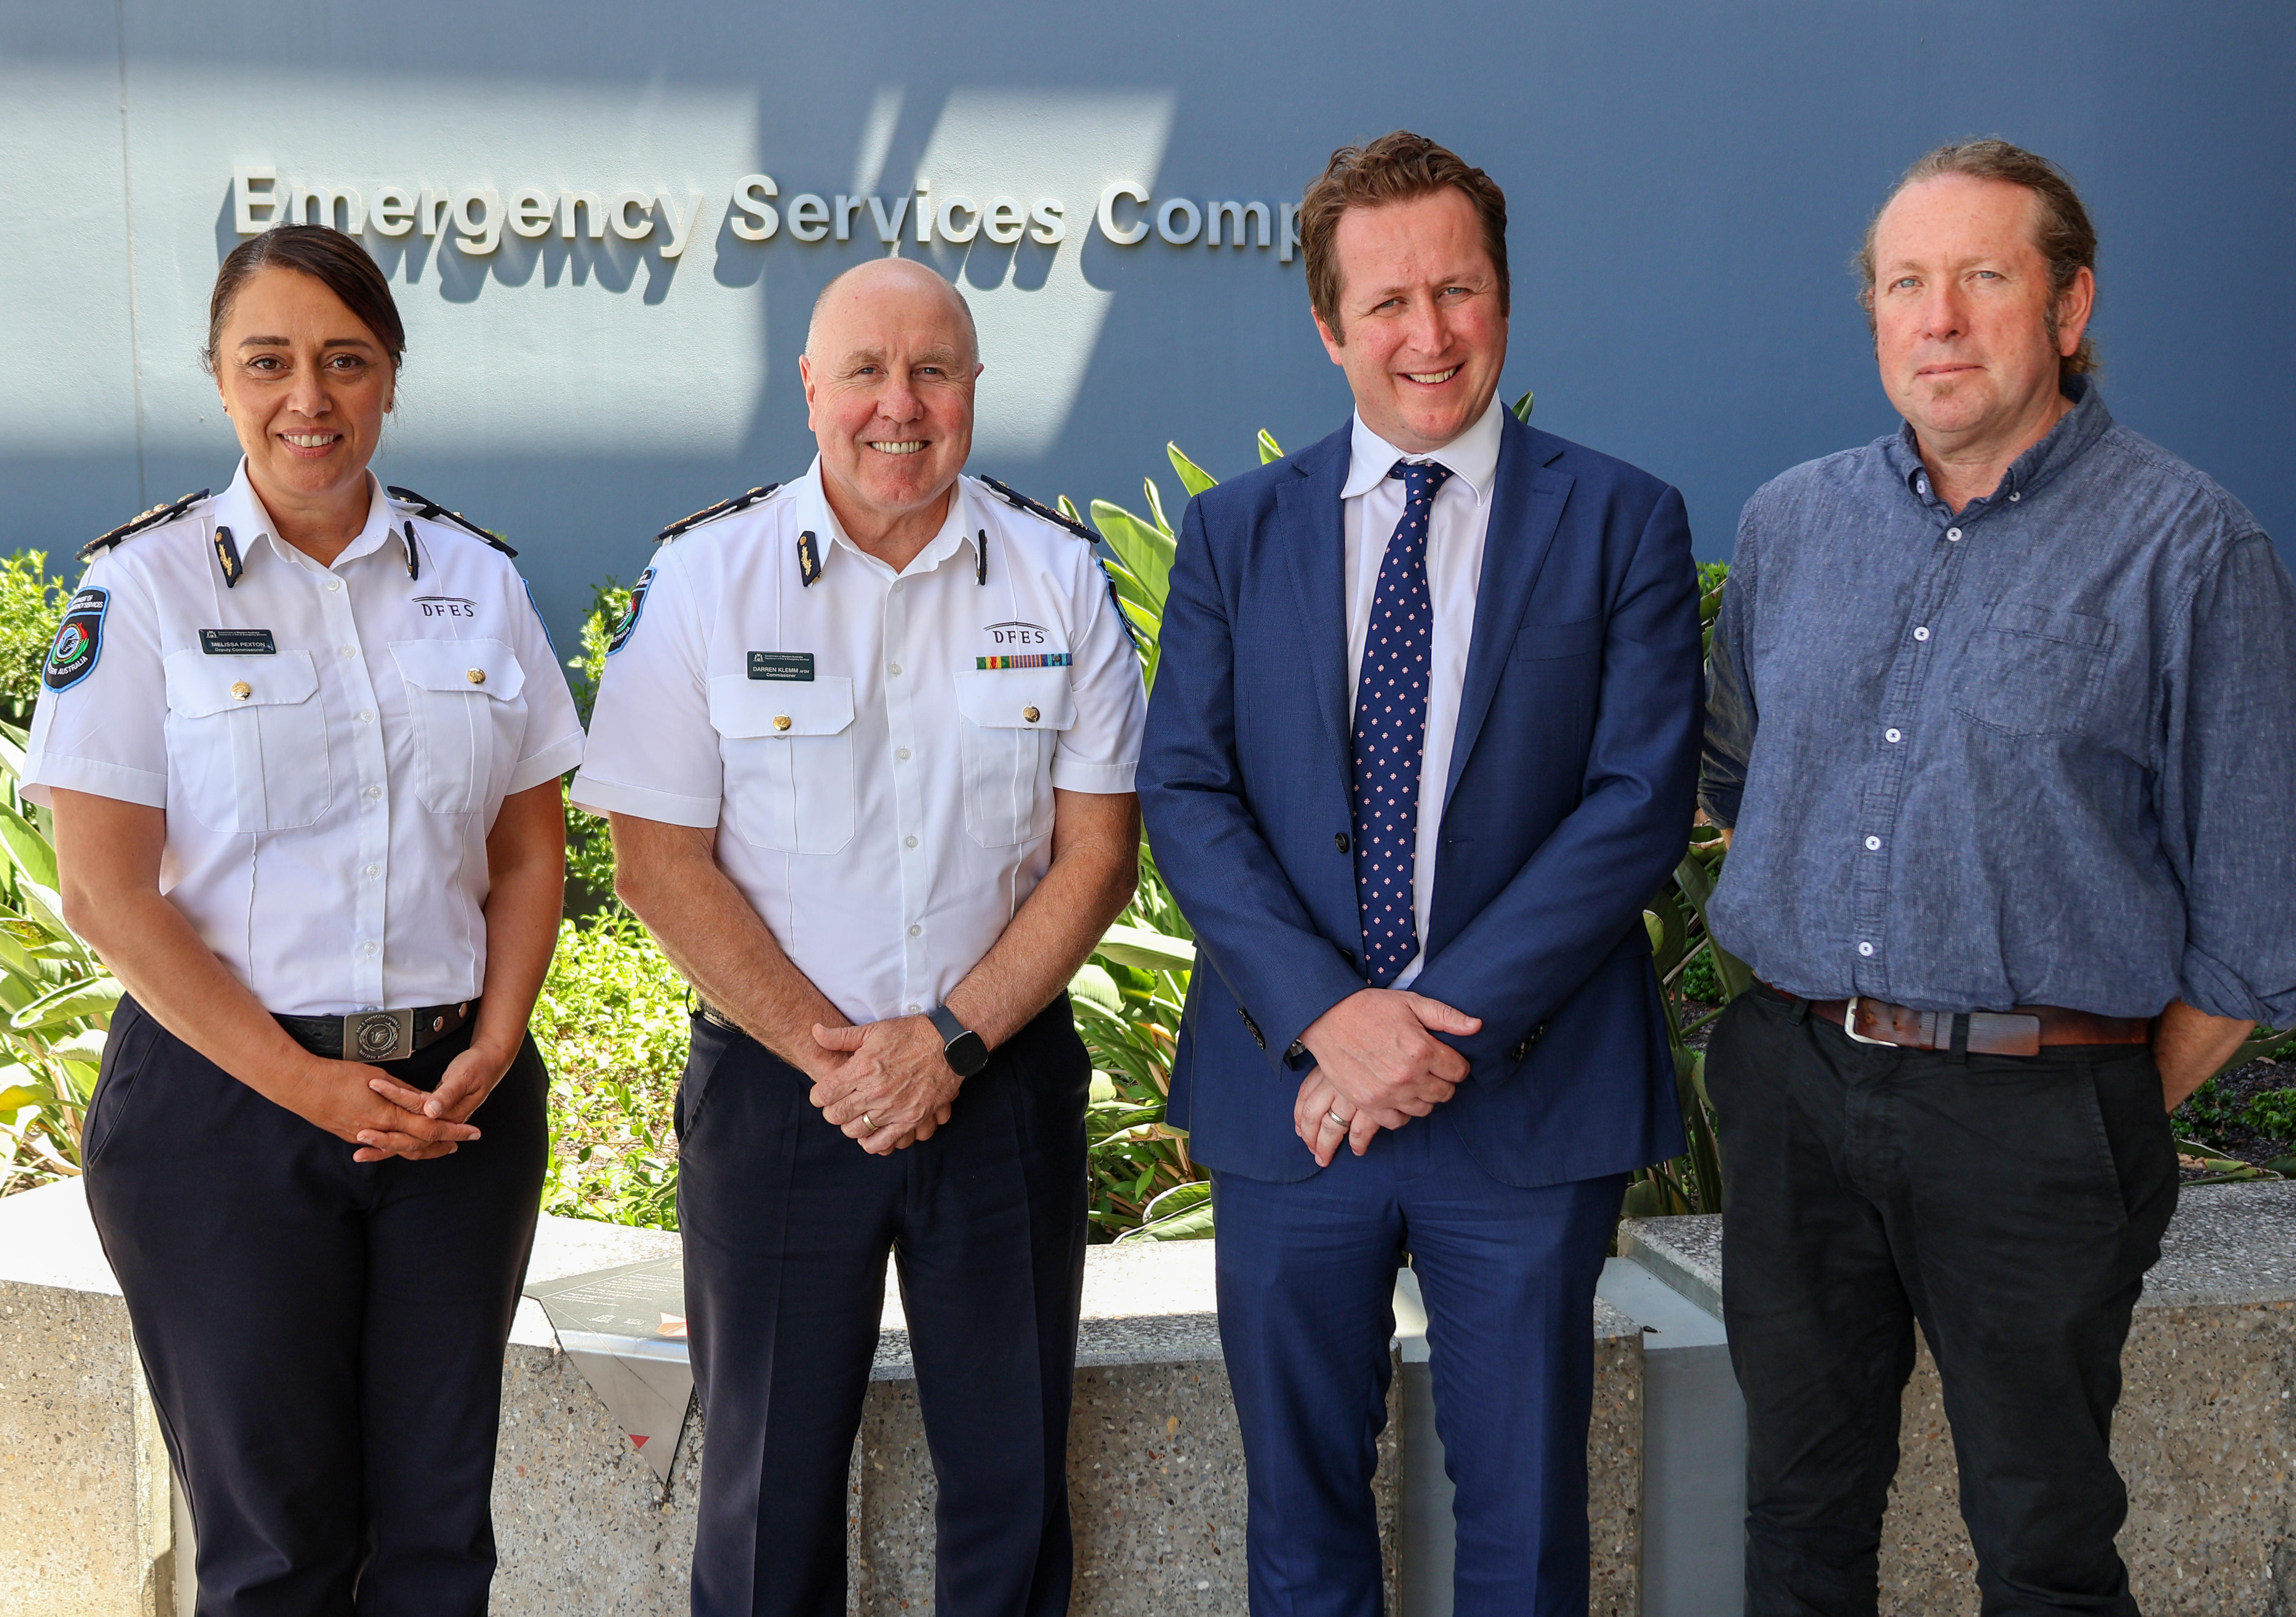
(1071, 774)
(2212, 987)
(553, 761)
(604, 797)
(94, 777)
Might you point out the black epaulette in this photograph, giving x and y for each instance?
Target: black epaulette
(431, 510)
(711, 513)
(150, 519)
(1013, 496)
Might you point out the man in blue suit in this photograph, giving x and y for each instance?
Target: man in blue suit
(1423, 738)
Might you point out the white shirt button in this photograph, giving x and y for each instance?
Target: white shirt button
(903, 754)
(1865, 948)
(334, 585)
(912, 1010)
(1891, 735)
(894, 669)
(366, 715)
(914, 931)
(908, 841)
(1921, 634)
(897, 586)
(1873, 844)
(2014, 498)
(369, 948)
(374, 870)
(1953, 533)
(375, 792)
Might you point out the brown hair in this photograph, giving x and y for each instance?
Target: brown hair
(329, 257)
(1399, 167)
(2060, 225)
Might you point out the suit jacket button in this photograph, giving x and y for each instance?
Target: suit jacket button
(1348, 955)
(1339, 842)
(1520, 1051)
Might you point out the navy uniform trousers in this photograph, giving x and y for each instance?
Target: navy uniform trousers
(1306, 1283)
(323, 1339)
(787, 1224)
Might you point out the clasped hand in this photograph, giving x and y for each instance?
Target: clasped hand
(385, 1118)
(1378, 1065)
(890, 1087)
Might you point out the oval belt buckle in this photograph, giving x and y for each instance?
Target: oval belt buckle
(1849, 1024)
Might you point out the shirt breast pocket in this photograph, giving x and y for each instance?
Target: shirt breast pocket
(787, 750)
(1010, 721)
(2033, 669)
(247, 736)
(465, 696)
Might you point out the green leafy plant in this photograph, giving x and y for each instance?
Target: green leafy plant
(31, 610)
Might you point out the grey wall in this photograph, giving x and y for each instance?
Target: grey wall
(1687, 179)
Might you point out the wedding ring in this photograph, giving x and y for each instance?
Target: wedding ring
(1335, 1117)
(867, 1124)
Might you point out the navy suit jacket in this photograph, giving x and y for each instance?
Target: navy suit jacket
(1569, 802)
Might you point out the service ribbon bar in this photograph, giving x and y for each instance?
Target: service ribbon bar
(1039, 660)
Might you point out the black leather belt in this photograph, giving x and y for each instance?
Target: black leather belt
(377, 1035)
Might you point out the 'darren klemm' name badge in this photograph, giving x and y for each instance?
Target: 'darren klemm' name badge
(237, 643)
(781, 665)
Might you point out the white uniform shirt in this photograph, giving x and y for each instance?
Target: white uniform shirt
(1373, 505)
(878, 752)
(328, 754)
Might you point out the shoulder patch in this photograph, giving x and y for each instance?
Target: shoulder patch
(424, 506)
(152, 517)
(79, 642)
(1019, 501)
(626, 624)
(711, 513)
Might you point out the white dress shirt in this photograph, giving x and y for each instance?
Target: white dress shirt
(331, 745)
(878, 750)
(1372, 505)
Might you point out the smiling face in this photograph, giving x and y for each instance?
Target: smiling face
(306, 386)
(888, 372)
(1422, 332)
(1961, 308)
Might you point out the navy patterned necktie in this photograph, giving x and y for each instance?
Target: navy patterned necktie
(1391, 732)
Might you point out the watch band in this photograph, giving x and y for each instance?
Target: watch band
(965, 1050)
(945, 1019)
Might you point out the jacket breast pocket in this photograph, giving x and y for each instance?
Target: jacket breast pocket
(1581, 637)
(2032, 670)
(788, 749)
(247, 737)
(466, 699)
(1012, 720)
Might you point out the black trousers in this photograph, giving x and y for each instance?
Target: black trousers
(2010, 1204)
(787, 1225)
(323, 1339)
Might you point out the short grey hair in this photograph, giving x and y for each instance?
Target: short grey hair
(813, 320)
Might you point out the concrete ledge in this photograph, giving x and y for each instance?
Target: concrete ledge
(2205, 1435)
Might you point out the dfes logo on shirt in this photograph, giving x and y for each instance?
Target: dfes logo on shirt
(1017, 634)
(446, 606)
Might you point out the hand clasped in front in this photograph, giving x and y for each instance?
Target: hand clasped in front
(894, 1086)
(1378, 1065)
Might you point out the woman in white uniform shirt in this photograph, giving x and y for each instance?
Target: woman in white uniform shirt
(302, 743)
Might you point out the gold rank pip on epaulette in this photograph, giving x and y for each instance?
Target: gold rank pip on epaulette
(152, 517)
(711, 513)
(431, 510)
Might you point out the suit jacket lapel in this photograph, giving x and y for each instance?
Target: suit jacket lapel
(1527, 502)
(1315, 544)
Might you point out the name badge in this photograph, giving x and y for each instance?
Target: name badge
(781, 665)
(237, 643)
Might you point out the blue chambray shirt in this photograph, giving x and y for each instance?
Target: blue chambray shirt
(2043, 753)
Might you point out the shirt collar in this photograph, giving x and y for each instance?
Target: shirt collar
(956, 530)
(241, 510)
(2060, 446)
(1473, 456)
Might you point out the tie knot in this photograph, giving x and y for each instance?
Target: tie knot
(1421, 479)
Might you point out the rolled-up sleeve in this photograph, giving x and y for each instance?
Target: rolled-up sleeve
(652, 751)
(1101, 752)
(106, 734)
(2227, 786)
(1730, 712)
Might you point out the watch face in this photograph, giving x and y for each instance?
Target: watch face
(966, 1054)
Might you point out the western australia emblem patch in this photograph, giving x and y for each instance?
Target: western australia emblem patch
(79, 643)
(629, 619)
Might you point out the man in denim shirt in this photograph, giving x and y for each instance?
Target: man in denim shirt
(2004, 712)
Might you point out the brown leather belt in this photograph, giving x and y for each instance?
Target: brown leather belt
(2022, 1031)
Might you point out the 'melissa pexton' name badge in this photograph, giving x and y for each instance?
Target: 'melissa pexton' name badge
(781, 665)
(237, 643)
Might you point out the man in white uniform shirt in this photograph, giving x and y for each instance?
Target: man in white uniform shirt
(867, 743)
